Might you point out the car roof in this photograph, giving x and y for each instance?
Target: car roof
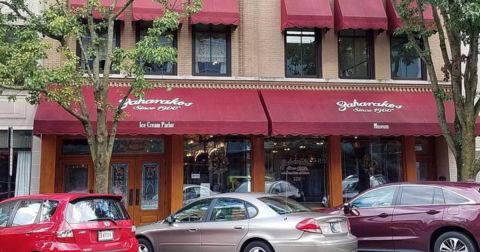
(243, 196)
(62, 196)
(439, 183)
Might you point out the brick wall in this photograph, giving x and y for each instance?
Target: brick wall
(258, 45)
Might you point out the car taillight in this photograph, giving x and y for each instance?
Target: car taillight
(309, 225)
(134, 229)
(65, 233)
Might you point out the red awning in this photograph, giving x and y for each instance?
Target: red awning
(360, 14)
(395, 21)
(75, 4)
(306, 14)
(180, 111)
(148, 10)
(217, 12)
(322, 113)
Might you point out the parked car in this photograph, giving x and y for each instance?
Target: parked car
(66, 222)
(428, 216)
(350, 184)
(274, 187)
(194, 192)
(247, 222)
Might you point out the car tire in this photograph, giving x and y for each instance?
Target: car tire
(144, 245)
(454, 241)
(257, 246)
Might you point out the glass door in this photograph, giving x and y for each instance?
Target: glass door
(122, 181)
(149, 190)
(141, 183)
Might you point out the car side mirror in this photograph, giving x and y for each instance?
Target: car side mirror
(347, 208)
(170, 220)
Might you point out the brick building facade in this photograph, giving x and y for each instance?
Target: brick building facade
(290, 148)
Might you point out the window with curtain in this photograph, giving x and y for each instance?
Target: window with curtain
(355, 54)
(87, 41)
(167, 68)
(405, 62)
(302, 53)
(212, 50)
(18, 182)
(369, 162)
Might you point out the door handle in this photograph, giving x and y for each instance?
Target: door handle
(383, 215)
(433, 212)
(130, 197)
(238, 227)
(192, 230)
(137, 197)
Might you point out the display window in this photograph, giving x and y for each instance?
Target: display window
(215, 164)
(369, 162)
(297, 168)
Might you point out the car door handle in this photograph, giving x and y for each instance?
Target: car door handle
(192, 230)
(238, 227)
(433, 212)
(383, 215)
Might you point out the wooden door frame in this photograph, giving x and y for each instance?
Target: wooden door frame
(161, 212)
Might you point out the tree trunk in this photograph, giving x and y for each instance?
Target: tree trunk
(466, 162)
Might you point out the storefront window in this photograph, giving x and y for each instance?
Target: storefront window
(18, 182)
(296, 167)
(370, 162)
(215, 165)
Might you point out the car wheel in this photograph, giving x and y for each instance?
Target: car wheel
(144, 245)
(257, 246)
(454, 242)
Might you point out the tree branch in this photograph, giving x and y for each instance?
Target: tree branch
(125, 6)
(441, 35)
(17, 12)
(85, 57)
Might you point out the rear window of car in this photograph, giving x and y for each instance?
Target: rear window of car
(92, 209)
(283, 205)
(454, 198)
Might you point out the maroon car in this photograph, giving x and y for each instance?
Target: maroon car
(427, 216)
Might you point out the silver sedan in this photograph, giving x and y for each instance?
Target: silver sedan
(247, 222)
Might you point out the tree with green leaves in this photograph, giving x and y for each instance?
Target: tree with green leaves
(456, 23)
(26, 38)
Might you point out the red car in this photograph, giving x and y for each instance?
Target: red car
(66, 222)
(429, 216)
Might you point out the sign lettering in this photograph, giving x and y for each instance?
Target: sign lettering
(368, 107)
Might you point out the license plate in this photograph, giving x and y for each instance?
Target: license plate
(336, 227)
(105, 235)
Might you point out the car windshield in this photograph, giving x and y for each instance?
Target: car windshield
(283, 205)
(91, 209)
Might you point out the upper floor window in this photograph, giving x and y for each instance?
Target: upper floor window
(211, 48)
(302, 53)
(102, 38)
(167, 68)
(405, 62)
(355, 54)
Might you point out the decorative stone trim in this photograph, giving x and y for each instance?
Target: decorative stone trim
(262, 85)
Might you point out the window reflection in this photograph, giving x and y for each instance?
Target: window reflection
(215, 165)
(296, 167)
(368, 163)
